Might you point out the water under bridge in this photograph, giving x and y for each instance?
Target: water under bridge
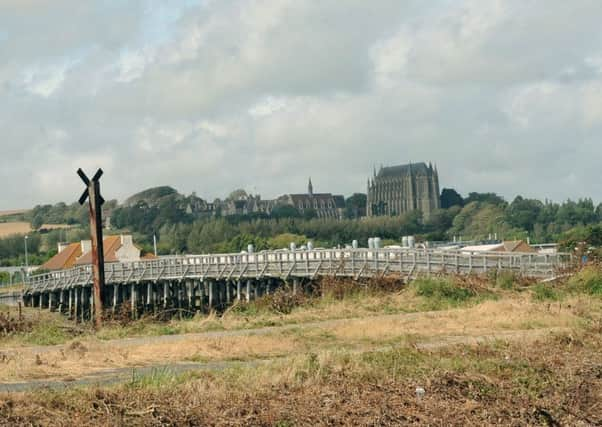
(204, 282)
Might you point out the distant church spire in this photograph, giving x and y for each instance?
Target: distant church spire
(310, 188)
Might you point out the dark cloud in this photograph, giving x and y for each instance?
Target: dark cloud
(208, 96)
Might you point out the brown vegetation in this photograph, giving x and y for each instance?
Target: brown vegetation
(555, 381)
(20, 227)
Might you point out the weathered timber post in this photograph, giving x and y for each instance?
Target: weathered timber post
(238, 286)
(92, 193)
(70, 303)
(248, 293)
(76, 303)
(133, 300)
(115, 297)
(201, 296)
(210, 285)
(189, 293)
(165, 292)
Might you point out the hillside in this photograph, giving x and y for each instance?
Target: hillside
(151, 196)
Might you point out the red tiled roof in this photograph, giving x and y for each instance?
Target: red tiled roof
(111, 245)
(64, 259)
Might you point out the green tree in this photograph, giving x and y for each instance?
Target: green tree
(523, 213)
(450, 197)
(355, 205)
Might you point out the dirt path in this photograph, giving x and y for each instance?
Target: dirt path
(123, 375)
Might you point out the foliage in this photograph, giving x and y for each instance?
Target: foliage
(355, 205)
(588, 280)
(543, 292)
(450, 197)
(491, 198)
(185, 224)
(151, 195)
(442, 289)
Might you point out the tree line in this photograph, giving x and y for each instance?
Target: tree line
(477, 216)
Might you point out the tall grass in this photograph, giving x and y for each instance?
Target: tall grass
(442, 292)
(588, 280)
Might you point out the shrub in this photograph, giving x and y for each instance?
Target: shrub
(505, 280)
(542, 292)
(588, 280)
(442, 289)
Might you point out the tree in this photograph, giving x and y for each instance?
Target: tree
(450, 197)
(492, 198)
(285, 211)
(37, 221)
(237, 194)
(523, 213)
(355, 205)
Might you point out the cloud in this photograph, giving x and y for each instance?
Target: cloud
(208, 96)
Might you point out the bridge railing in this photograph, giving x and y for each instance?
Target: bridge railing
(283, 264)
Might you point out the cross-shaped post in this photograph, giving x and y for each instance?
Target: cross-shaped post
(92, 193)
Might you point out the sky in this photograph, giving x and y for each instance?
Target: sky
(210, 96)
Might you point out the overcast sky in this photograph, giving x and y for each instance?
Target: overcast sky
(209, 96)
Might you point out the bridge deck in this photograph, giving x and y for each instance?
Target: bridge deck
(353, 263)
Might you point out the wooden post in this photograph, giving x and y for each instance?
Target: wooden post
(115, 297)
(165, 291)
(76, 303)
(133, 300)
(95, 211)
(70, 303)
(61, 301)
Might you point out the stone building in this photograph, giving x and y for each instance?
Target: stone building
(246, 205)
(397, 190)
(326, 205)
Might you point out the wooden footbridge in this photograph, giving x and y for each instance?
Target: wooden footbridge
(205, 282)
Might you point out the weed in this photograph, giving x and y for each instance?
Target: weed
(505, 280)
(156, 378)
(543, 292)
(588, 280)
(442, 290)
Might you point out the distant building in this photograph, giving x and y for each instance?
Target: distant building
(325, 205)
(67, 254)
(116, 249)
(245, 205)
(401, 189)
(510, 246)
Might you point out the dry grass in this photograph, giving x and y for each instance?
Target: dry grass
(82, 358)
(554, 381)
(12, 212)
(20, 227)
(513, 314)
(11, 228)
(511, 318)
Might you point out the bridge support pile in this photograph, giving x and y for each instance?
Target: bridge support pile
(184, 298)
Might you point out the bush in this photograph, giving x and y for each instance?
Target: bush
(588, 280)
(442, 289)
(505, 280)
(542, 292)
